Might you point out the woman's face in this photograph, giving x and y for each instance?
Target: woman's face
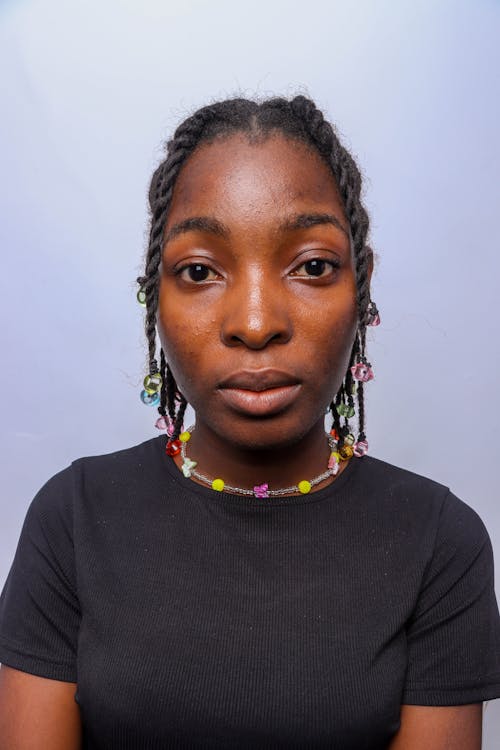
(257, 306)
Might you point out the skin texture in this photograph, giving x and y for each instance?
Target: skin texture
(37, 714)
(258, 307)
(439, 728)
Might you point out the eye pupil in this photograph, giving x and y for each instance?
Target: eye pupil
(198, 272)
(315, 267)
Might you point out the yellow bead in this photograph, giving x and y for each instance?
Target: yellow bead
(152, 383)
(337, 456)
(184, 436)
(218, 484)
(346, 452)
(304, 486)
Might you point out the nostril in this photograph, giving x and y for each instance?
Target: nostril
(256, 315)
(247, 333)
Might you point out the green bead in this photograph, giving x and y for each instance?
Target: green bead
(141, 297)
(341, 410)
(152, 383)
(350, 412)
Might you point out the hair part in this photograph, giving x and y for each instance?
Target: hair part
(299, 119)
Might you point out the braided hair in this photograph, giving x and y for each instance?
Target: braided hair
(297, 118)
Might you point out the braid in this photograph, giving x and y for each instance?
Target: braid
(299, 119)
(163, 391)
(179, 420)
(348, 178)
(160, 194)
(171, 389)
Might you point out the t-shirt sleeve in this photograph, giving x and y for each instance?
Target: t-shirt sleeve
(453, 636)
(39, 608)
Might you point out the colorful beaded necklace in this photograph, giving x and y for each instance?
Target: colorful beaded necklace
(174, 447)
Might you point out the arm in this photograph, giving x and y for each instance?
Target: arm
(453, 639)
(37, 713)
(439, 728)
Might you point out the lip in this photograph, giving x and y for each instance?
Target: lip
(260, 403)
(258, 380)
(259, 393)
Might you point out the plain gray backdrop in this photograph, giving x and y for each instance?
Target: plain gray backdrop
(89, 92)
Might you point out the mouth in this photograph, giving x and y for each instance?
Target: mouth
(258, 380)
(259, 393)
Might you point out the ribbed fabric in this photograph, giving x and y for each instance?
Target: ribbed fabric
(195, 619)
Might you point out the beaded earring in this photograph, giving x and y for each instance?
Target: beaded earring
(165, 423)
(359, 372)
(372, 314)
(150, 395)
(362, 370)
(154, 391)
(152, 385)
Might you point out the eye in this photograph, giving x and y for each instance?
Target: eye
(315, 268)
(196, 272)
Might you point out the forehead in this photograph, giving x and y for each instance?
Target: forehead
(243, 181)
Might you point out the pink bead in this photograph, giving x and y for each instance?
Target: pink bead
(260, 490)
(375, 321)
(333, 462)
(362, 371)
(165, 423)
(361, 448)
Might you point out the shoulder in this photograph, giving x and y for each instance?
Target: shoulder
(136, 458)
(91, 480)
(420, 509)
(389, 484)
(389, 478)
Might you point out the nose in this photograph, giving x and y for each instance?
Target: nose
(256, 313)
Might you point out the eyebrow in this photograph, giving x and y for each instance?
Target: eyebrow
(211, 225)
(198, 223)
(303, 221)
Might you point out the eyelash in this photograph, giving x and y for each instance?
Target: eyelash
(201, 267)
(334, 266)
(180, 271)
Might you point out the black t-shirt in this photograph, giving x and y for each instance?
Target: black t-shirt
(195, 619)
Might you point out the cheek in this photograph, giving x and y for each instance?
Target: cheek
(183, 344)
(333, 345)
(331, 325)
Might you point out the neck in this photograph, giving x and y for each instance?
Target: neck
(278, 466)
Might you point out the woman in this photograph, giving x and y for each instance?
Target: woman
(253, 582)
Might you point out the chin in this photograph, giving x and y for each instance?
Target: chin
(270, 433)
